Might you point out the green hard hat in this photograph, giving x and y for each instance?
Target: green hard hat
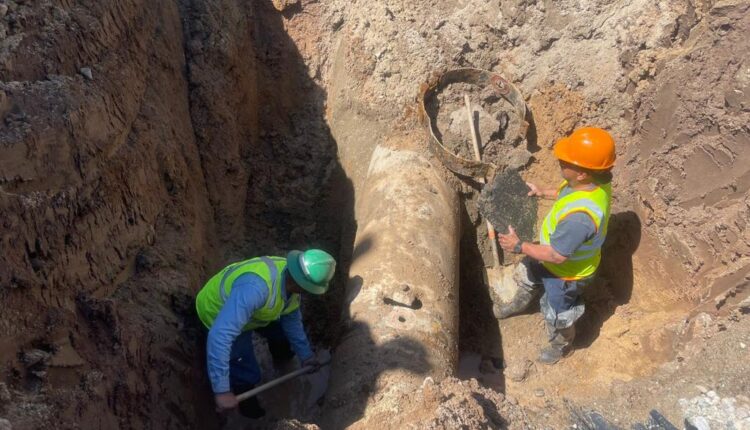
(312, 269)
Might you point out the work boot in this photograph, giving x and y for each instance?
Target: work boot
(551, 355)
(560, 341)
(520, 302)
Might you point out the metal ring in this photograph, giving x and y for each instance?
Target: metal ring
(482, 78)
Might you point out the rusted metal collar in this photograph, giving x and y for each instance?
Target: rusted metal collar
(482, 78)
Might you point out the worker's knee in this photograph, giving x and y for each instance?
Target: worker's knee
(526, 274)
(560, 312)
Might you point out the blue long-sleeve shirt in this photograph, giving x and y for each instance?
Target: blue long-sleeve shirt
(249, 293)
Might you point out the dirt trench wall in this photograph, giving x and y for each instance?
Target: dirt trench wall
(258, 118)
(122, 190)
(105, 216)
(691, 168)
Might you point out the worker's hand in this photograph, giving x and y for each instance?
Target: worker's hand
(313, 362)
(534, 191)
(225, 401)
(508, 241)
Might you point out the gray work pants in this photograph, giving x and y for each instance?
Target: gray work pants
(561, 303)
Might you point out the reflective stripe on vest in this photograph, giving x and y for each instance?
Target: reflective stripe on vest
(596, 204)
(214, 294)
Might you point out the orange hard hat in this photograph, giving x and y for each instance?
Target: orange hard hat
(588, 147)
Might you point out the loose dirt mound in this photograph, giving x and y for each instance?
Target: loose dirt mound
(448, 405)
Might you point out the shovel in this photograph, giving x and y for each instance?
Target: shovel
(502, 200)
(492, 275)
(274, 382)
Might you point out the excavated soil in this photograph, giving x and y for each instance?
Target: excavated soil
(144, 145)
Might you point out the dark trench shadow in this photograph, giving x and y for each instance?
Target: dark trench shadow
(531, 134)
(281, 174)
(359, 363)
(308, 199)
(613, 285)
(363, 247)
(479, 331)
(353, 288)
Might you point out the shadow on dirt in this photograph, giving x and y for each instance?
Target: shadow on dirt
(479, 332)
(614, 284)
(358, 368)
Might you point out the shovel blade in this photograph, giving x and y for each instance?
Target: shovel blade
(501, 284)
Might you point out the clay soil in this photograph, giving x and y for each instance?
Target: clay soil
(145, 145)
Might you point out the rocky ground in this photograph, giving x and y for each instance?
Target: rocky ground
(143, 145)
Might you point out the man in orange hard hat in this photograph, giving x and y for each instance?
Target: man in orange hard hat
(570, 241)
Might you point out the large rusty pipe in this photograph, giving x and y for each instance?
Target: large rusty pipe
(401, 312)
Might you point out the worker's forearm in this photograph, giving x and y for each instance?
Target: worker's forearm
(542, 253)
(218, 350)
(249, 293)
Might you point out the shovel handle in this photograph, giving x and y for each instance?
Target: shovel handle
(274, 382)
(474, 140)
(478, 156)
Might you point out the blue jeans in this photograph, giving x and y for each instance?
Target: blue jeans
(561, 304)
(560, 296)
(244, 371)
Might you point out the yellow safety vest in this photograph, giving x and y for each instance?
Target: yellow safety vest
(596, 204)
(213, 295)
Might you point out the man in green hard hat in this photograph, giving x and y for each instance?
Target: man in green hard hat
(259, 295)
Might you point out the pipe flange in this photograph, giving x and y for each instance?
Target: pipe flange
(483, 78)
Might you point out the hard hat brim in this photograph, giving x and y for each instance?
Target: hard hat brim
(295, 269)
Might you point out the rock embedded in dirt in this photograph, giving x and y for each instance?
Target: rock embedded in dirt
(5, 424)
(518, 370)
(5, 396)
(86, 72)
(3, 10)
(709, 410)
(35, 356)
(292, 425)
(282, 5)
